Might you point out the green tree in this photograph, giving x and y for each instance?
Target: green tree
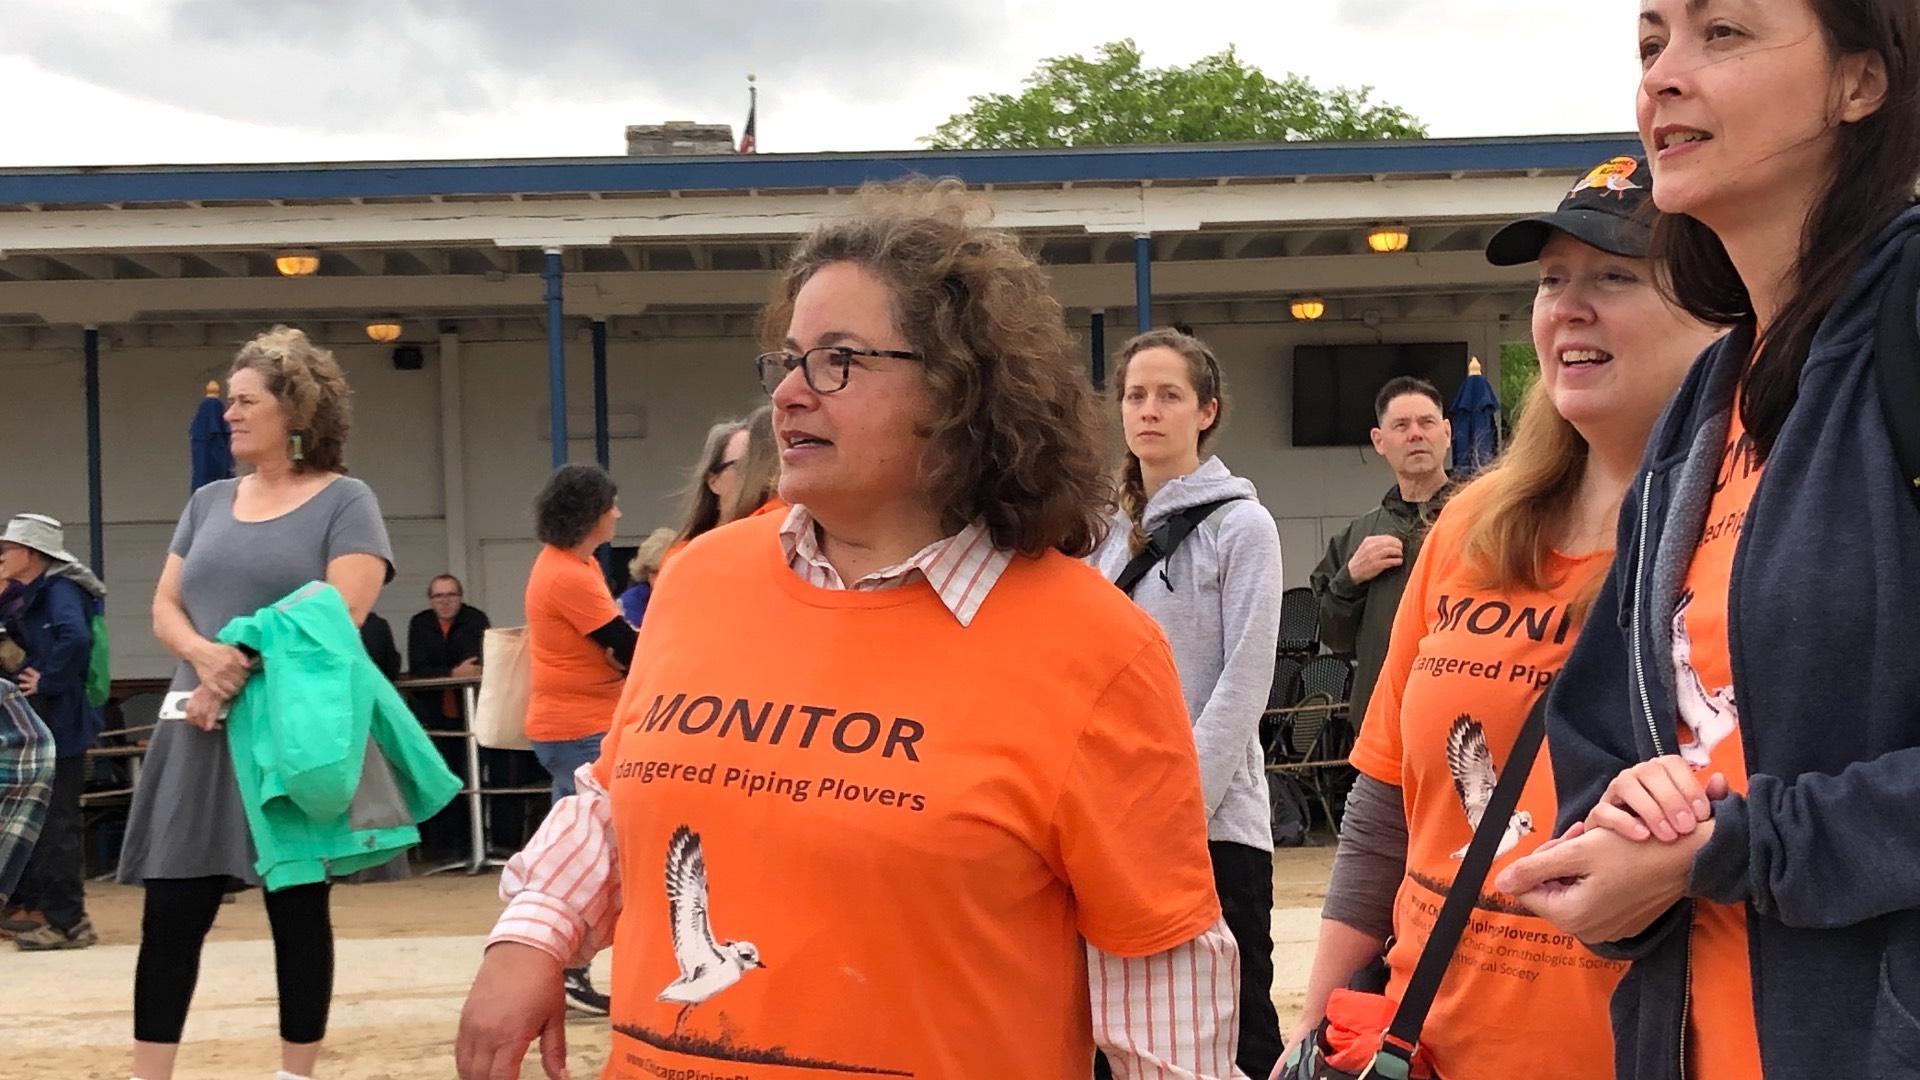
(1519, 370)
(1112, 99)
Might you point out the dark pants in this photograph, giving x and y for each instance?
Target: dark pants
(54, 879)
(173, 927)
(1243, 877)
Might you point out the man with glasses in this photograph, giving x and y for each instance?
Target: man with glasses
(442, 641)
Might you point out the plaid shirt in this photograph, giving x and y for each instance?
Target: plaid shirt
(26, 775)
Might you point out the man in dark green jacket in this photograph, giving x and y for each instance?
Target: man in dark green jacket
(1358, 583)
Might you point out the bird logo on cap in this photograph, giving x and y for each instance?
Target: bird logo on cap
(1614, 176)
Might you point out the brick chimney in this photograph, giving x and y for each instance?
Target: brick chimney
(678, 137)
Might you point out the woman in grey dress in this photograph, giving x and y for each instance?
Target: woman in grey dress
(240, 546)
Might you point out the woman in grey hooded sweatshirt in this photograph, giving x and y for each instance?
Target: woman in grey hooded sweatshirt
(1218, 600)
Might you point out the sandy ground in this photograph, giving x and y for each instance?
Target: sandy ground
(406, 954)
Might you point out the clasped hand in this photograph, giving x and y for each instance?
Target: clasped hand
(1610, 876)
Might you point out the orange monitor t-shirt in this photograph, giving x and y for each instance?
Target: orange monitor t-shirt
(872, 842)
(574, 689)
(1723, 1042)
(1463, 669)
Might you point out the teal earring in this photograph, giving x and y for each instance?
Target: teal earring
(297, 455)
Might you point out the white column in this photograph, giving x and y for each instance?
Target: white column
(453, 457)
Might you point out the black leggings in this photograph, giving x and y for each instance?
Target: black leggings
(180, 911)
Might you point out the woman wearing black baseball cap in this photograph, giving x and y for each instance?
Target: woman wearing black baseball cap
(1531, 538)
(1736, 738)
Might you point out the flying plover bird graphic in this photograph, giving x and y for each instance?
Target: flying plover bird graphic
(1708, 718)
(1471, 764)
(707, 966)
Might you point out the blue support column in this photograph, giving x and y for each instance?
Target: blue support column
(602, 441)
(1143, 279)
(1097, 334)
(556, 361)
(96, 528)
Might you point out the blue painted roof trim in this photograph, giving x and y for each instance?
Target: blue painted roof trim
(143, 184)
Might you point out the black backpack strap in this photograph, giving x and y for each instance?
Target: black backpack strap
(1395, 1060)
(1165, 540)
(1896, 361)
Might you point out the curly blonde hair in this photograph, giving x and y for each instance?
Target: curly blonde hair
(312, 390)
(1016, 439)
(651, 553)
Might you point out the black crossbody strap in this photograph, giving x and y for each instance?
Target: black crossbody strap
(1403, 1037)
(1896, 362)
(1165, 540)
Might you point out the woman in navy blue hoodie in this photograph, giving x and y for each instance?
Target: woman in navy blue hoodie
(1738, 753)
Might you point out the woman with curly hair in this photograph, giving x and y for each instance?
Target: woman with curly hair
(579, 644)
(900, 827)
(242, 545)
(1217, 596)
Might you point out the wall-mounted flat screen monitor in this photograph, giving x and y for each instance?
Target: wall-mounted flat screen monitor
(1334, 385)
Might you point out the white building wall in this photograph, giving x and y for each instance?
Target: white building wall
(678, 385)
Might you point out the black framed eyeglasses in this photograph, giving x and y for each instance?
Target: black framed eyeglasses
(826, 368)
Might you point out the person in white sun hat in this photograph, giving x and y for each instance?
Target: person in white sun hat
(48, 613)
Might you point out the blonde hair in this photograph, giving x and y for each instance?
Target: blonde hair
(1527, 495)
(653, 551)
(1203, 374)
(311, 389)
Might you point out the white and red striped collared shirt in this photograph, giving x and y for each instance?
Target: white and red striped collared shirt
(1170, 1016)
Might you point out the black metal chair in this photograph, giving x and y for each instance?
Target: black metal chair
(1299, 623)
(1285, 691)
(1329, 675)
(1286, 683)
(1313, 744)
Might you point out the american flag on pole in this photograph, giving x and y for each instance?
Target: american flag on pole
(747, 144)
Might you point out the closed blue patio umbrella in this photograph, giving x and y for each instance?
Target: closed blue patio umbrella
(1476, 424)
(207, 439)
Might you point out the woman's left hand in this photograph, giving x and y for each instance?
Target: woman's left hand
(1600, 886)
(1659, 799)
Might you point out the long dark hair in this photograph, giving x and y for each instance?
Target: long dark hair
(759, 467)
(1870, 182)
(703, 509)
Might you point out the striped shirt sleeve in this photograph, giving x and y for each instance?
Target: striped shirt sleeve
(563, 889)
(1170, 1016)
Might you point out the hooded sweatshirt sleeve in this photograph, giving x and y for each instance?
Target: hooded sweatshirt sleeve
(1250, 588)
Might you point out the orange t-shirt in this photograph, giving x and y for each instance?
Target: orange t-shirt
(1463, 669)
(874, 842)
(574, 689)
(1723, 1041)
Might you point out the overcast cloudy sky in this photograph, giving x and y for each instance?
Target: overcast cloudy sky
(152, 81)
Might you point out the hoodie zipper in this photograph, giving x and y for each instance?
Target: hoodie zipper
(1686, 999)
(1639, 607)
